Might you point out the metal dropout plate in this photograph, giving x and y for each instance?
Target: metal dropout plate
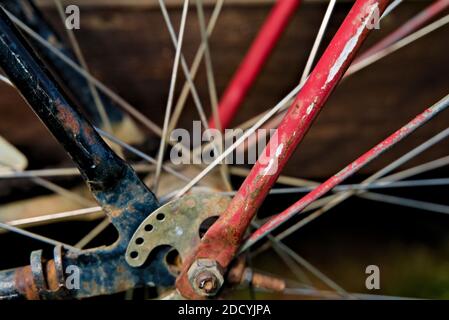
(175, 224)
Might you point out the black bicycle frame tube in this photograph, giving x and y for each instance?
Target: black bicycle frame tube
(99, 165)
(114, 184)
(77, 84)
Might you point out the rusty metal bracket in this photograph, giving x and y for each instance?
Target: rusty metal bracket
(53, 287)
(175, 224)
(114, 184)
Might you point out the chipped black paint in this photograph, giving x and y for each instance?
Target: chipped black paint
(29, 13)
(114, 184)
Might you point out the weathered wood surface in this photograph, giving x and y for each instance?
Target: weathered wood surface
(129, 49)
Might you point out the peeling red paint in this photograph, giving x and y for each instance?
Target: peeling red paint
(346, 172)
(404, 30)
(222, 240)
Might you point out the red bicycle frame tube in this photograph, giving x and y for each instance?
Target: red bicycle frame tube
(255, 58)
(349, 170)
(407, 28)
(223, 239)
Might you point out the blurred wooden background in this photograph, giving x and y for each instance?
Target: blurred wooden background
(127, 47)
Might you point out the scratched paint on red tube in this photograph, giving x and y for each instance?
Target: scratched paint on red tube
(223, 239)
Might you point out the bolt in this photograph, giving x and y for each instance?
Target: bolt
(205, 276)
(207, 282)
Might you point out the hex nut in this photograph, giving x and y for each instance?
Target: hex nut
(205, 277)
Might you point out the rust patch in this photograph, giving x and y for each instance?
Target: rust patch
(24, 282)
(113, 212)
(67, 117)
(89, 134)
(235, 273)
(52, 276)
(267, 282)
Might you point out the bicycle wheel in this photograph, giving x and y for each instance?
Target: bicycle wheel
(162, 225)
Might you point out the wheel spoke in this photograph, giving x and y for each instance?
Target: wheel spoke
(141, 154)
(252, 125)
(425, 167)
(289, 262)
(211, 85)
(79, 55)
(55, 217)
(353, 167)
(384, 184)
(62, 191)
(422, 205)
(194, 67)
(6, 80)
(411, 25)
(355, 67)
(312, 269)
(178, 46)
(332, 295)
(100, 86)
(57, 189)
(318, 39)
(293, 260)
(333, 200)
(75, 172)
(374, 185)
(239, 141)
(398, 45)
(185, 69)
(37, 237)
(286, 258)
(390, 8)
(61, 172)
(93, 233)
(208, 61)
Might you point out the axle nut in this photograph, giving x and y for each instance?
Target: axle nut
(206, 277)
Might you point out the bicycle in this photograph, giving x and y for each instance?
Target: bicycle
(196, 265)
